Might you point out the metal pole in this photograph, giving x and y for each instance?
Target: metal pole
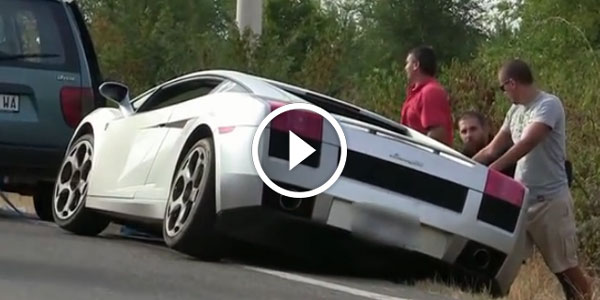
(249, 15)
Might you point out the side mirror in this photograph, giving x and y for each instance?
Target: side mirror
(118, 93)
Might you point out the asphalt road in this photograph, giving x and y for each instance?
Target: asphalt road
(40, 261)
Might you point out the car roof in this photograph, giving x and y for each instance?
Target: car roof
(275, 89)
(256, 85)
(267, 87)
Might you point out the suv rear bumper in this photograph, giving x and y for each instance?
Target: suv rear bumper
(26, 165)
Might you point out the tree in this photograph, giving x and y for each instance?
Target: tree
(451, 27)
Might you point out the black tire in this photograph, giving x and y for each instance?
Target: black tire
(82, 221)
(42, 201)
(197, 236)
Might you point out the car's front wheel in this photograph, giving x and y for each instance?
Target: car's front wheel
(189, 220)
(70, 192)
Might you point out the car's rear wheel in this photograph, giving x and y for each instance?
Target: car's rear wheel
(70, 192)
(42, 201)
(189, 222)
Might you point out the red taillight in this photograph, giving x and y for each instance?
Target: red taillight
(504, 188)
(71, 101)
(303, 123)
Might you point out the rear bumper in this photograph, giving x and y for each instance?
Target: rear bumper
(24, 165)
(465, 259)
(459, 240)
(443, 222)
(252, 211)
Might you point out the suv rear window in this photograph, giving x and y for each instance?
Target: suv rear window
(36, 34)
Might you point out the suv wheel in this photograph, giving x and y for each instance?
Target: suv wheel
(42, 201)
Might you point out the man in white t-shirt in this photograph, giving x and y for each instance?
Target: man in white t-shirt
(534, 133)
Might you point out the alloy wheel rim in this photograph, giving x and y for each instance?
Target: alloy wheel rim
(185, 191)
(72, 186)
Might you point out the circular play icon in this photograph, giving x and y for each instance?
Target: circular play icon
(301, 134)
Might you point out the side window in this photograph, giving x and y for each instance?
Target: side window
(28, 28)
(8, 44)
(36, 36)
(3, 41)
(180, 92)
(139, 100)
(229, 86)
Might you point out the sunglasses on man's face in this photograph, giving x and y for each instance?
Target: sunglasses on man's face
(503, 84)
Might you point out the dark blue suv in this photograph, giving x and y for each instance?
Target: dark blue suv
(49, 79)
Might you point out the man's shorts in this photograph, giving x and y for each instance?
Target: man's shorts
(552, 229)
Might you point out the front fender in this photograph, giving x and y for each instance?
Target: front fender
(188, 130)
(98, 121)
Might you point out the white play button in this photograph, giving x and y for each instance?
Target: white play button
(299, 150)
(280, 163)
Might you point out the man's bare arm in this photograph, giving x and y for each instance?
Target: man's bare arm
(500, 143)
(532, 136)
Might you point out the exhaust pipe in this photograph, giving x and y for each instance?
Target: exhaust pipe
(481, 258)
(289, 204)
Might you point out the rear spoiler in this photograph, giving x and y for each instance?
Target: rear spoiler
(341, 108)
(378, 122)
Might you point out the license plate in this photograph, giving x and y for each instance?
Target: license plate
(383, 225)
(9, 103)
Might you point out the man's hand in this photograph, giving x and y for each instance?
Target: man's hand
(497, 166)
(532, 136)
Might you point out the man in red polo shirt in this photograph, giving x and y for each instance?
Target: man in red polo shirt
(427, 105)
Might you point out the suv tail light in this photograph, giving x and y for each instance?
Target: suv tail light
(504, 188)
(71, 102)
(303, 123)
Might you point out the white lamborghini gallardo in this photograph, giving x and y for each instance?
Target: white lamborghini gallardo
(179, 156)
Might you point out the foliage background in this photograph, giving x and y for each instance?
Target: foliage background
(355, 50)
